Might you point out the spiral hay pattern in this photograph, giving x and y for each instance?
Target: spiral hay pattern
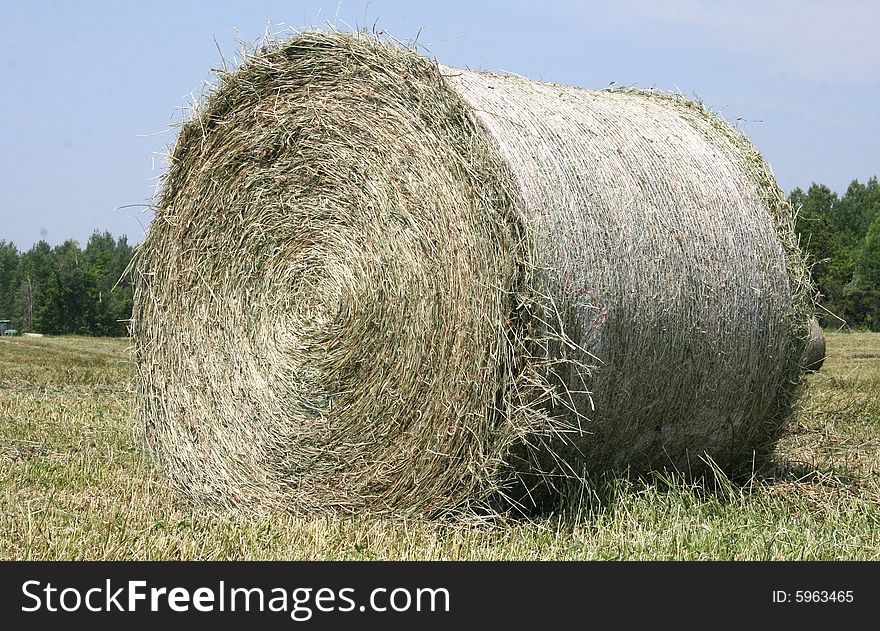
(376, 284)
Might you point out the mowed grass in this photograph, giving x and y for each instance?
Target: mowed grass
(75, 484)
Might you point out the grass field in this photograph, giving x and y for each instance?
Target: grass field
(74, 484)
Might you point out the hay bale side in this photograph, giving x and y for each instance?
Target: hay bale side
(670, 252)
(373, 284)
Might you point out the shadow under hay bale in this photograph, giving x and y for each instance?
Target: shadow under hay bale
(376, 284)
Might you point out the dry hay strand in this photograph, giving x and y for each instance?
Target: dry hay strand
(376, 284)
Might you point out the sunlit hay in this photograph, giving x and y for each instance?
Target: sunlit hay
(670, 253)
(814, 355)
(375, 284)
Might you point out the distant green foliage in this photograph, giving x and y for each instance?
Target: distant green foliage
(67, 290)
(867, 275)
(841, 236)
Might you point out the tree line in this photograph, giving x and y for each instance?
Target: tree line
(841, 236)
(65, 289)
(69, 290)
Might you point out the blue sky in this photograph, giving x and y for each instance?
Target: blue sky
(90, 90)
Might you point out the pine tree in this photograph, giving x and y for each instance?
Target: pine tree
(868, 275)
(9, 281)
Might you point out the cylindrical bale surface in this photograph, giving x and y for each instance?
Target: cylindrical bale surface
(668, 251)
(373, 283)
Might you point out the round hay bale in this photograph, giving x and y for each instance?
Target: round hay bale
(375, 284)
(814, 355)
